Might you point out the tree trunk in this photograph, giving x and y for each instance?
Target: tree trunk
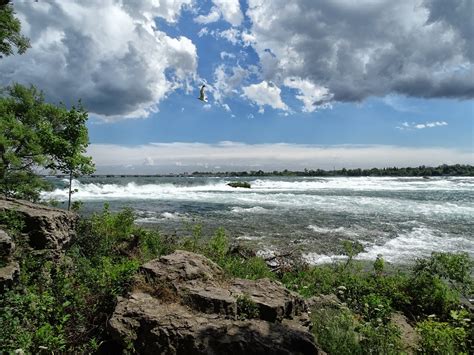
(70, 191)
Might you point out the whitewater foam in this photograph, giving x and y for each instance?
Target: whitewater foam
(255, 209)
(405, 248)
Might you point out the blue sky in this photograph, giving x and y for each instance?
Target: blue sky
(296, 79)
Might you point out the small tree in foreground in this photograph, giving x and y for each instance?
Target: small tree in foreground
(36, 135)
(69, 140)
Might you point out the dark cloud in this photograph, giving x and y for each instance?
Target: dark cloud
(367, 48)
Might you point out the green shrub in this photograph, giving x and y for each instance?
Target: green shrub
(334, 331)
(252, 268)
(456, 269)
(193, 243)
(218, 245)
(12, 221)
(246, 308)
(441, 338)
(377, 337)
(431, 295)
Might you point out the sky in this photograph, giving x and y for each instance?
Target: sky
(290, 84)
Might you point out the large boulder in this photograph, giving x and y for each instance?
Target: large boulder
(9, 268)
(46, 228)
(184, 304)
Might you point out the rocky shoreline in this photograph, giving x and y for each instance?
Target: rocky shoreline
(180, 303)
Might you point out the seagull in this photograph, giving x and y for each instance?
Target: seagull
(202, 97)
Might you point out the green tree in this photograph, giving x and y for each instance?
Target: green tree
(68, 142)
(36, 135)
(10, 28)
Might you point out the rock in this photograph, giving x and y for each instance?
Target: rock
(242, 251)
(46, 227)
(9, 274)
(408, 335)
(155, 327)
(9, 269)
(200, 314)
(7, 246)
(322, 301)
(273, 300)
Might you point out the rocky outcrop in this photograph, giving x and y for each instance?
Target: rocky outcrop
(184, 304)
(9, 268)
(46, 228)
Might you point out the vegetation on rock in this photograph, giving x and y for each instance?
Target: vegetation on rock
(63, 305)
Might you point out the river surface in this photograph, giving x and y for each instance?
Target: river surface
(401, 218)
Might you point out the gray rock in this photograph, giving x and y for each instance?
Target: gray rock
(322, 301)
(155, 327)
(9, 274)
(201, 316)
(7, 246)
(46, 227)
(274, 301)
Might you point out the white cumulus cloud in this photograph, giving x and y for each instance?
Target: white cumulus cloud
(312, 95)
(228, 9)
(109, 54)
(265, 93)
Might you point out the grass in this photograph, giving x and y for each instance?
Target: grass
(63, 307)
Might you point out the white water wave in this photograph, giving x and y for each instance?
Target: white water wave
(91, 190)
(253, 198)
(367, 184)
(255, 209)
(151, 217)
(338, 230)
(405, 248)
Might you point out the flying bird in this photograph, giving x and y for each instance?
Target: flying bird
(202, 96)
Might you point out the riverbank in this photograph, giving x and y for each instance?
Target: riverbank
(64, 303)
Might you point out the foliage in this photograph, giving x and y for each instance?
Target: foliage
(12, 221)
(351, 249)
(441, 338)
(10, 35)
(437, 283)
(246, 308)
(334, 330)
(252, 268)
(379, 265)
(425, 171)
(454, 268)
(218, 245)
(378, 337)
(63, 307)
(38, 135)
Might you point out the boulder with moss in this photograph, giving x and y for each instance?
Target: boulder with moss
(183, 303)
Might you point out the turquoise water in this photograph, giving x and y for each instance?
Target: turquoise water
(400, 218)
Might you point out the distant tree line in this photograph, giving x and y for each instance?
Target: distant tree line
(442, 170)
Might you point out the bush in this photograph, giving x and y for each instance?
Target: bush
(441, 338)
(246, 308)
(334, 331)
